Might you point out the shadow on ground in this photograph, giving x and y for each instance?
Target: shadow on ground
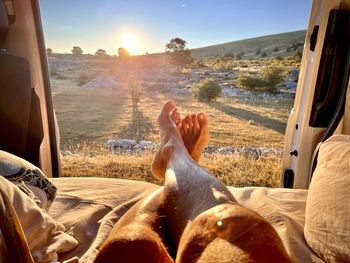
(139, 127)
(247, 115)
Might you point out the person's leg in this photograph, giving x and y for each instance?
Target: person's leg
(189, 190)
(141, 234)
(202, 215)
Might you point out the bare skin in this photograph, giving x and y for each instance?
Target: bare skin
(195, 134)
(194, 215)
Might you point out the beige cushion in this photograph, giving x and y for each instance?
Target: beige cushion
(45, 237)
(89, 207)
(327, 222)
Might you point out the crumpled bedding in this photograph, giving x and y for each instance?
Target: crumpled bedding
(89, 207)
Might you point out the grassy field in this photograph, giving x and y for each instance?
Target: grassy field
(89, 117)
(89, 114)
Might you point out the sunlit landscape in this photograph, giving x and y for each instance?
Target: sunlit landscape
(107, 102)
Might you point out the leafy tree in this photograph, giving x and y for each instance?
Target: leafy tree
(49, 51)
(101, 53)
(77, 51)
(179, 55)
(207, 90)
(123, 53)
(263, 55)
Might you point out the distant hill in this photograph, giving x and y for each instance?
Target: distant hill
(273, 45)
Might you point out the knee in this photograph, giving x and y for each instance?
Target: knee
(133, 244)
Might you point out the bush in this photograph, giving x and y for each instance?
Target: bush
(224, 65)
(249, 82)
(273, 75)
(207, 90)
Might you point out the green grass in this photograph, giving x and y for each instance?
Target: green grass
(250, 46)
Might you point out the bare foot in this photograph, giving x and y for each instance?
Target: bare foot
(170, 123)
(195, 134)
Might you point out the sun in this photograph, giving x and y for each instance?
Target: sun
(130, 43)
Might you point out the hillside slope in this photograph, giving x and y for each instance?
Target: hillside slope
(273, 45)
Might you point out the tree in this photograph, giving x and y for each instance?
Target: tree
(77, 51)
(207, 90)
(276, 49)
(101, 53)
(258, 51)
(49, 51)
(179, 55)
(240, 55)
(123, 53)
(263, 55)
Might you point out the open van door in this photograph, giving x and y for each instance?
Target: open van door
(27, 118)
(320, 97)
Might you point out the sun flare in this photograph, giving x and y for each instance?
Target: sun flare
(130, 43)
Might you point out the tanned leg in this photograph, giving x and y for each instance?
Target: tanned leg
(195, 134)
(202, 215)
(189, 190)
(139, 236)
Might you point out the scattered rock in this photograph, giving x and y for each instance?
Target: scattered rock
(102, 83)
(146, 145)
(67, 153)
(251, 122)
(226, 150)
(120, 144)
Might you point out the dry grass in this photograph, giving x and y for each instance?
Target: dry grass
(89, 117)
(233, 170)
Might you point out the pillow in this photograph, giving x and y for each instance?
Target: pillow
(327, 218)
(29, 178)
(45, 237)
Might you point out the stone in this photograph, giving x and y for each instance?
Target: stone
(124, 144)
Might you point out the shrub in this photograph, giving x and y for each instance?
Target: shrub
(273, 75)
(224, 65)
(249, 82)
(207, 90)
(240, 55)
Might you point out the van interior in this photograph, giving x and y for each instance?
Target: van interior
(311, 209)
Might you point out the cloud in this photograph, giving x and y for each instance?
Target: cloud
(183, 5)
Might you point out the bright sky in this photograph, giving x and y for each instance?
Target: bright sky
(147, 25)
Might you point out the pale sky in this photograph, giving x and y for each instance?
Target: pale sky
(147, 25)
